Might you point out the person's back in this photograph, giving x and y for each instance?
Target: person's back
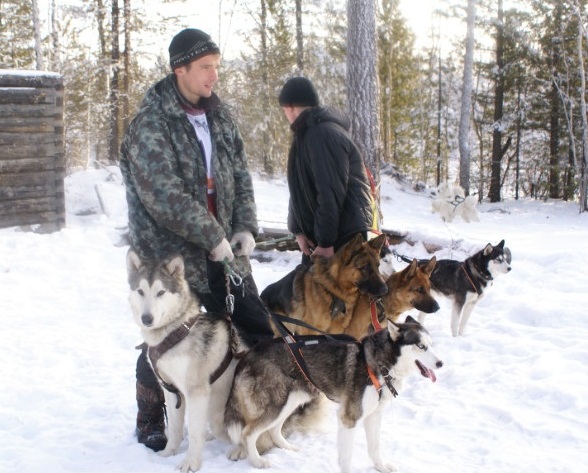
(329, 190)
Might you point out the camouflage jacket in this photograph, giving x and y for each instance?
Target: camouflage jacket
(165, 178)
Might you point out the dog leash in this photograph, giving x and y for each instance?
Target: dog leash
(231, 276)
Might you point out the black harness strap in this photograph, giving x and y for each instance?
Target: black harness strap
(295, 344)
(156, 352)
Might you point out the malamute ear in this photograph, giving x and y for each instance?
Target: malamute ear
(411, 320)
(393, 330)
(175, 265)
(134, 263)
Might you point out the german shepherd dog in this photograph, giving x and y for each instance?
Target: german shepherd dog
(324, 294)
(361, 376)
(466, 282)
(407, 289)
(191, 352)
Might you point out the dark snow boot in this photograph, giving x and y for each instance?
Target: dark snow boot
(151, 407)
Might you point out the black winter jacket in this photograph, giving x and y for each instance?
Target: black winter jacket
(329, 189)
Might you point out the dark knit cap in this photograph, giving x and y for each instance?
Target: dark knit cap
(298, 91)
(188, 45)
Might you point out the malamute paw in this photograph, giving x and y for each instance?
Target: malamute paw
(238, 453)
(190, 464)
(169, 450)
(260, 462)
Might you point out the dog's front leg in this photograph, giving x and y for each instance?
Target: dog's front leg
(455, 316)
(372, 424)
(197, 400)
(175, 423)
(465, 315)
(345, 436)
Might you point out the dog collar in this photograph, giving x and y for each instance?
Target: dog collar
(387, 379)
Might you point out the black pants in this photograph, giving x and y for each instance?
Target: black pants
(250, 316)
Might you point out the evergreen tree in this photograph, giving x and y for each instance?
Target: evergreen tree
(16, 35)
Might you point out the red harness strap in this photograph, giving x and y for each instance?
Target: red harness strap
(374, 311)
(374, 380)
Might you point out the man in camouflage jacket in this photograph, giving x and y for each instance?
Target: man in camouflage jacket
(189, 191)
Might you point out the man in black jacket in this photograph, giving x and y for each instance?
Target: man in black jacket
(330, 198)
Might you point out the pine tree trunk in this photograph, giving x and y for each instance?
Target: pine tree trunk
(299, 37)
(39, 62)
(466, 101)
(497, 152)
(362, 81)
(583, 177)
(114, 132)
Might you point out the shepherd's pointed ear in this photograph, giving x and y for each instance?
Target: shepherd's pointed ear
(393, 330)
(410, 270)
(430, 266)
(175, 265)
(378, 242)
(134, 263)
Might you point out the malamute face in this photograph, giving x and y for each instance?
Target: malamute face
(156, 290)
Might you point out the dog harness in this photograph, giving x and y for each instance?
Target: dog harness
(156, 352)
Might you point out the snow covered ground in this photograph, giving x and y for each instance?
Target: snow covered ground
(512, 396)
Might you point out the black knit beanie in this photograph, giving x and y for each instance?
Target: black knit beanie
(298, 91)
(188, 45)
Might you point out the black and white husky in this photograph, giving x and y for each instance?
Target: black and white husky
(191, 352)
(465, 282)
(361, 376)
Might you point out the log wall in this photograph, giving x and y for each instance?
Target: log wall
(32, 167)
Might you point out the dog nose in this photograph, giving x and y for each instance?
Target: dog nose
(147, 320)
(439, 364)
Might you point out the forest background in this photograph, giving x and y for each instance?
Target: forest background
(492, 97)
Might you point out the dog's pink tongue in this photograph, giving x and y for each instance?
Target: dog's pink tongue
(426, 372)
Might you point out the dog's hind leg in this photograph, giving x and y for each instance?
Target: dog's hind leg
(251, 433)
(372, 424)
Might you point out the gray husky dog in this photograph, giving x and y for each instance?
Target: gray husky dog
(361, 376)
(191, 352)
(465, 282)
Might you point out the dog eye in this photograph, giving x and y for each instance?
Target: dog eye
(140, 292)
(160, 293)
(421, 346)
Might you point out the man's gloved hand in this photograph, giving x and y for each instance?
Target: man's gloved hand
(243, 242)
(222, 251)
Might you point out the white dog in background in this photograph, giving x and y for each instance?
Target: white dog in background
(451, 202)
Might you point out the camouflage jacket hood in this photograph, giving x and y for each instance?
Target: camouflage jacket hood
(165, 178)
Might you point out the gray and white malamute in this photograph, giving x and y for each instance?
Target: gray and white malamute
(361, 376)
(191, 352)
(465, 282)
